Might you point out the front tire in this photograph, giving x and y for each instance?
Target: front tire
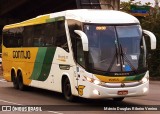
(67, 90)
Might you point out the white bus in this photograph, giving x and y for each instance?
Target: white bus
(87, 53)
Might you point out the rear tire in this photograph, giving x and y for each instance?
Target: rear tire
(118, 99)
(67, 90)
(20, 82)
(15, 82)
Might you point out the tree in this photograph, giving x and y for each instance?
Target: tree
(125, 6)
(152, 24)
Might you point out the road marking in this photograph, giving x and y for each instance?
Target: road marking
(54, 112)
(3, 80)
(9, 102)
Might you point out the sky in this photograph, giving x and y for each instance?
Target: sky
(143, 1)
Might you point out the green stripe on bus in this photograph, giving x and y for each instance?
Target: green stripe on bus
(43, 63)
(139, 77)
(134, 78)
(47, 64)
(129, 78)
(38, 63)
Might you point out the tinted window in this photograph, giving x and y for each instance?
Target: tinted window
(28, 34)
(61, 39)
(13, 37)
(76, 41)
(42, 35)
(73, 25)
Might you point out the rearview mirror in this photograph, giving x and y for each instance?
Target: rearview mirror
(84, 39)
(152, 38)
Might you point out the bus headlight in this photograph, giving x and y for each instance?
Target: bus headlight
(88, 79)
(97, 82)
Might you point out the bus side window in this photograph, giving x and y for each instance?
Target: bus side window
(50, 34)
(61, 38)
(18, 37)
(38, 42)
(6, 38)
(38, 36)
(28, 36)
(20, 42)
(13, 37)
(79, 52)
(76, 41)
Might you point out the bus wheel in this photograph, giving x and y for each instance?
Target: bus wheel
(15, 82)
(118, 99)
(20, 82)
(67, 90)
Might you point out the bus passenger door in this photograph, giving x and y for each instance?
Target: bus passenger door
(80, 65)
(77, 48)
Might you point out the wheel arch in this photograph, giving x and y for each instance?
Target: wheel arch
(64, 76)
(19, 71)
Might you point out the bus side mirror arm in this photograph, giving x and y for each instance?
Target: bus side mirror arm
(152, 38)
(84, 39)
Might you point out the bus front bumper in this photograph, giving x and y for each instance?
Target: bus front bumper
(97, 91)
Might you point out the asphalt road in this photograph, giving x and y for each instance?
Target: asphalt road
(54, 102)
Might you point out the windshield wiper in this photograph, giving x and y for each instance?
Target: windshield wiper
(124, 57)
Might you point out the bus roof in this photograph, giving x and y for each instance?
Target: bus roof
(98, 16)
(83, 15)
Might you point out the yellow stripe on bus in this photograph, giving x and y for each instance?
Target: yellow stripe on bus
(34, 21)
(110, 79)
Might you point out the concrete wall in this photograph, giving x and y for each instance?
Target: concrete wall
(114, 3)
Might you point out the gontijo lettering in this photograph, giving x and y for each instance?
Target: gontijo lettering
(22, 54)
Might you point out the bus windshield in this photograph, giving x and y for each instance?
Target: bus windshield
(116, 48)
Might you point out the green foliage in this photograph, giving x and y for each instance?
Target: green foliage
(125, 6)
(151, 23)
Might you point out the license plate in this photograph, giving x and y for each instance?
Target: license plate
(124, 92)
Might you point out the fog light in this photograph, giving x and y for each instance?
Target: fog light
(145, 90)
(96, 92)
